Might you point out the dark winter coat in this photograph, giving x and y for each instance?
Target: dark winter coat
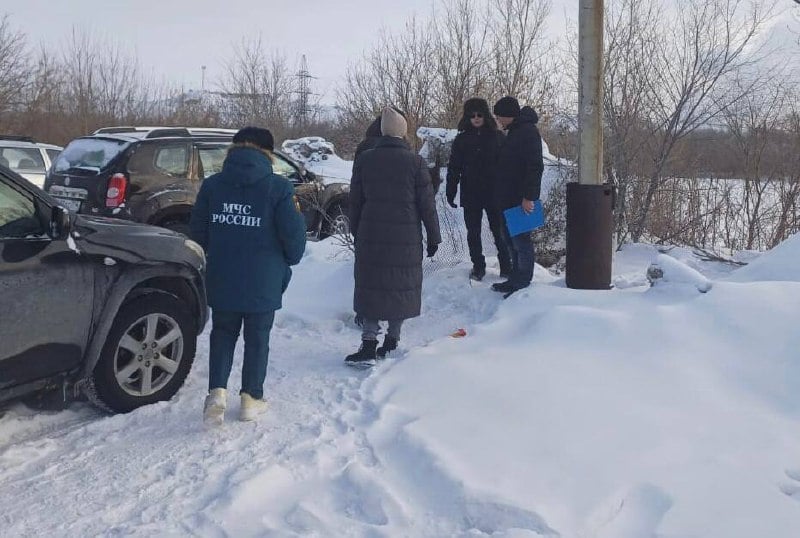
(246, 219)
(371, 138)
(472, 166)
(520, 165)
(391, 197)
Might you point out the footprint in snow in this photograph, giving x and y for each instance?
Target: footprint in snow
(791, 487)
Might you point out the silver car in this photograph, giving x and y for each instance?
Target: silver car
(27, 157)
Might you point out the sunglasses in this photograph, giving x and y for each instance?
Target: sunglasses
(477, 115)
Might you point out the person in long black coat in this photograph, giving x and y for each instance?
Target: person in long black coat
(391, 198)
(472, 167)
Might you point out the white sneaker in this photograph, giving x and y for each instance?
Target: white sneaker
(214, 409)
(251, 408)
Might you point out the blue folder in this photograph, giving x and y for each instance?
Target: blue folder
(519, 222)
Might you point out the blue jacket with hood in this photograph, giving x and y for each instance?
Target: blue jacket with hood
(247, 220)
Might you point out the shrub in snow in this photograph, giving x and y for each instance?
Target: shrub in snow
(668, 269)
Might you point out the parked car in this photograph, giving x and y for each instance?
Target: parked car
(153, 175)
(27, 157)
(94, 305)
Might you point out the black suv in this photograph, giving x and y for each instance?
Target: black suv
(92, 304)
(153, 175)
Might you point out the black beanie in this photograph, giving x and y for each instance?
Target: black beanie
(258, 136)
(507, 107)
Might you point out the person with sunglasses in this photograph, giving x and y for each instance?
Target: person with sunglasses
(471, 169)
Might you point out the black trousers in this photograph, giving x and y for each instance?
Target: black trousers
(473, 218)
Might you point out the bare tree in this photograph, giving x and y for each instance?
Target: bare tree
(523, 60)
(259, 86)
(630, 47)
(400, 70)
(701, 47)
(15, 69)
(459, 49)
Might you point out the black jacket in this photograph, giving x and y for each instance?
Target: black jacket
(391, 197)
(473, 160)
(520, 164)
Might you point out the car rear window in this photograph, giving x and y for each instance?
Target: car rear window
(88, 154)
(22, 160)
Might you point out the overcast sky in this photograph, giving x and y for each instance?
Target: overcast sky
(176, 37)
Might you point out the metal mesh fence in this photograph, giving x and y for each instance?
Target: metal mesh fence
(454, 250)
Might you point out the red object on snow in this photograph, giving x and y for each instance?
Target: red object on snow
(461, 333)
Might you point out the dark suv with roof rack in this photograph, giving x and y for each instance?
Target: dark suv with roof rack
(153, 174)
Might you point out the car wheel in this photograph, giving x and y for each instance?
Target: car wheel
(180, 226)
(338, 222)
(147, 355)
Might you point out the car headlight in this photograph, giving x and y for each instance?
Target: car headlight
(196, 248)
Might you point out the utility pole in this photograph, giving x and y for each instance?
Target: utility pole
(203, 80)
(590, 202)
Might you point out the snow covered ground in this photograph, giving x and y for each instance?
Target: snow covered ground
(637, 412)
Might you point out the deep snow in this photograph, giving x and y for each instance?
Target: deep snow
(636, 412)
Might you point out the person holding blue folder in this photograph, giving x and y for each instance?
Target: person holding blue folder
(519, 181)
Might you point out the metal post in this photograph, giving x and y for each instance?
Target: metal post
(589, 202)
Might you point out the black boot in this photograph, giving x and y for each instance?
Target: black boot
(477, 273)
(389, 344)
(504, 287)
(365, 356)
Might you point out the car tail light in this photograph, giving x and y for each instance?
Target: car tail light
(115, 195)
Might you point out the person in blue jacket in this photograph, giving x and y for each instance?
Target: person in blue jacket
(248, 221)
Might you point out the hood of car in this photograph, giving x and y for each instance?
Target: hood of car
(123, 241)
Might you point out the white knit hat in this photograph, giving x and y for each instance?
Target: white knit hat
(393, 123)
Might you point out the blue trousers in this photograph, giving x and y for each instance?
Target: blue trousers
(523, 259)
(224, 335)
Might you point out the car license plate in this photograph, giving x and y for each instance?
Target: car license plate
(69, 197)
(71, 205)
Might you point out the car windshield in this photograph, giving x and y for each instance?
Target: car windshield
(22, 160)
(88, 154)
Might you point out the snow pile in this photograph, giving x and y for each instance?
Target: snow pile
(610, 414)
(319, 156)
(668, 269)
(629, 413)
(780, 264)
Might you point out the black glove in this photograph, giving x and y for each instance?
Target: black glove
(451, 195)
(432, 250)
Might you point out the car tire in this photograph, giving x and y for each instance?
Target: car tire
(337, 221)
(134, 368)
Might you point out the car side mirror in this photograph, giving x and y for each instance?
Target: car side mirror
(60, 223)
